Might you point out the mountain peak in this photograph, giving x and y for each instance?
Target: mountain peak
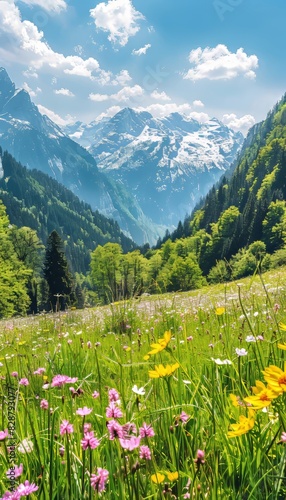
(7, 88)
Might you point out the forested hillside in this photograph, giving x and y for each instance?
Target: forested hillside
(35, 200)
(238, 229)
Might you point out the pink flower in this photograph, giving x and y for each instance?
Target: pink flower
(83, 411)
(115, 430)
(95, 394)
(283, 437)
(128, 429)
(86, 427)
(98, 482)
(3, 434)
(66, 427)
(145, 452)
(14, 374)
(39, 371)
(11, 496)
(146, 430)
(112, 411)
(16, 472)
(190, 338)
(24, 381)
(27, 488)
(89, 441)
(130, 443)
(89, 344)
(113, 395)
(44, 404)
(184, 417)
(60, 380)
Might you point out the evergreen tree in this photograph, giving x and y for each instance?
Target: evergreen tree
(57, 274)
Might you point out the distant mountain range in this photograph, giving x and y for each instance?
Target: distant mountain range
(146, 173)
(168, 164)
(37, 142)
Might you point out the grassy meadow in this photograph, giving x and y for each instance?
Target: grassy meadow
(165, 397)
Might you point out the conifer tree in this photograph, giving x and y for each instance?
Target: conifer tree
(57, 273)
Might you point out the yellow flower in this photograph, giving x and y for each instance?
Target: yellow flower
(146, 357)
(276, 378)
(282, 326)
(157, 478)
(282, 346)
(236, 401)
(163, 371)
(162, 343)
(219, 311)
(263, 396)
(45, 377)
(173, 476)
(245, 424)
(22, 343)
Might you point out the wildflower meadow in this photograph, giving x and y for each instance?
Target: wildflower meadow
(169, 397)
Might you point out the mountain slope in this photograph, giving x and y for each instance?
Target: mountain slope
(250, 205)
(37, 142)
(34, 199)
(167, 163)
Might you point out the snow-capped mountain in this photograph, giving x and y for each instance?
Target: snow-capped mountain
(168, 163)
(37, 142)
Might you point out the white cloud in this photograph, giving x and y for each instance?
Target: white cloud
(65, 92)
(238, 124)
(33, 93)
(122, 78)
(198, 104)
(200, 117)
(21, 41)
(161, 110)
(49, 5)
(109, 113)
(219, 63)
(124, 95)
(161, 96)
(141, 51)
(119, 18)
(55, 117)
(30, 73)
(99, 97)
(128, 93)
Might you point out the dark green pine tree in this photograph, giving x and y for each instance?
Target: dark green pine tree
(57, 273)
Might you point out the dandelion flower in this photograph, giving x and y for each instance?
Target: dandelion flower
(219, 311)
(163, 371)
(282, 346)
(282, 326)
(173, 476)
(245, 424)
(157, 478)
(161, 344)
(263, 396)
(276, 378)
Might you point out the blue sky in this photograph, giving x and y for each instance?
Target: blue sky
(84, 59)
